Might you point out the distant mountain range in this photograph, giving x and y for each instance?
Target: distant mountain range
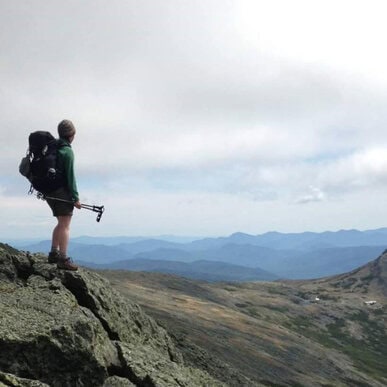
(238, 257)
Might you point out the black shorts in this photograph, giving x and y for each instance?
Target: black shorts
(61, 207)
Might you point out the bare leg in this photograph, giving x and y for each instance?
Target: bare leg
(61, 234)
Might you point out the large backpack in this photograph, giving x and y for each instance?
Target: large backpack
(40, 164)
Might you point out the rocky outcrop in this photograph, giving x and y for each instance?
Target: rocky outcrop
(61, 328)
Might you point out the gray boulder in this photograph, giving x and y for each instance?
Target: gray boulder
(62, 328)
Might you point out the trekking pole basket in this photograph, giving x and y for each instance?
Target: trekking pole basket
(99, 209)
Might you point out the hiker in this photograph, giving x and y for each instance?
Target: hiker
(68, 193)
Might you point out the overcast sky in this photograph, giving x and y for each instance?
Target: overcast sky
(201, 117)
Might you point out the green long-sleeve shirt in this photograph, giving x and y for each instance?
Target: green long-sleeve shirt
(66, 166)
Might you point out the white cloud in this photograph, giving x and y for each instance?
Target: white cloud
(362, 169)
(345, 35)
(254, 102)
(314, 194)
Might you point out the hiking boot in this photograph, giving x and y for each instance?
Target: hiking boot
(53, 256)
(66, 264)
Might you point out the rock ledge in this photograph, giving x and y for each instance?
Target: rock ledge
(61, 328)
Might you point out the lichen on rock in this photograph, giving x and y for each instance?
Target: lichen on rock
(63, 328)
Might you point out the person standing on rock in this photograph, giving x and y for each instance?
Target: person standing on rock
(67, 198)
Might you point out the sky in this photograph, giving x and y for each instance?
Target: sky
(201, 117)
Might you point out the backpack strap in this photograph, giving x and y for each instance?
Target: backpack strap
(62, 143)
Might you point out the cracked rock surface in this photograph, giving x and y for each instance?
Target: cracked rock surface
(61, 328)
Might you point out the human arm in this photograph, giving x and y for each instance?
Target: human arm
(68, 163)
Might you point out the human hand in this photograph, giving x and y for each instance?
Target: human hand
(77, 204)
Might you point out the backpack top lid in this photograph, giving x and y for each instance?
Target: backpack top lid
(40, 141)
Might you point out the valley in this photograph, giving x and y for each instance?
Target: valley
(284, 333)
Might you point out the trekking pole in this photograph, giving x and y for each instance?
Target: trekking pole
(99, 209)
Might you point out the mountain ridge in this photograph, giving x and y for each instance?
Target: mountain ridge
(273, 237)
(292, 255)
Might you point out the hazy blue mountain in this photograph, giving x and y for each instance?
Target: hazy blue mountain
(165, 254)
(177, 239)
(273, 239)
(90, 253)
(111, 241)
(149, 245)
(246, 255)
(203, 270)
(308, 240)
(324, 262)
(108, 241)
(34, 247)
(292, 255)
(348, 238)
(292, 264)
(98, 253)
(288, 264)
(21, 243)
(295, 241)
(382, 230)
(299, 241)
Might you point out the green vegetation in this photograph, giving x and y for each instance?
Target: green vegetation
(367, 279)
(348, 283)
(277, 290)
(361, 316)
(281, 309)
(231, 288)
(379, 311)
(329, 297)
(336, 329)
(368, 355)
(300, 324)
(304, 295)
(243, 304)
(252, 311)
